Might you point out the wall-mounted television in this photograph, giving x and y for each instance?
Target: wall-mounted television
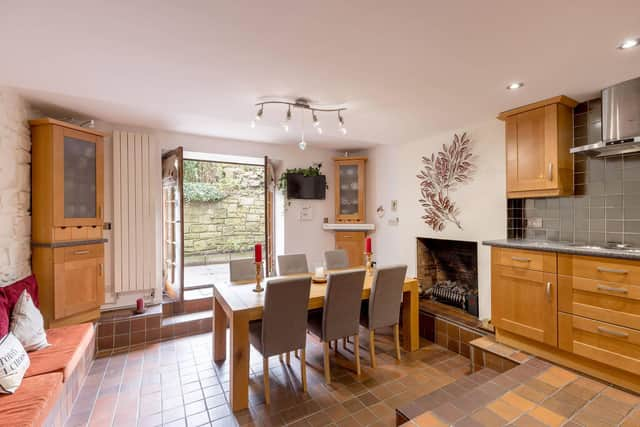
(306, 187)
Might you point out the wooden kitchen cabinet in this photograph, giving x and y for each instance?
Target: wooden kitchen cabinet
(350, 189)
(353, 243)
(538, 137)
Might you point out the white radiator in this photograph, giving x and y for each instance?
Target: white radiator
(136, 173)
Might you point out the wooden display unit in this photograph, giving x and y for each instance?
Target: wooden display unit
(350, 207)
(67, 217)
(538, 138)
(578, 311)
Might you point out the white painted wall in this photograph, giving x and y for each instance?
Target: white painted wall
(391, 175)
(15, 188)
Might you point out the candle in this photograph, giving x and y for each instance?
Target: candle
(367, 245)
(320, 271)
(139, 305)
(258, 252)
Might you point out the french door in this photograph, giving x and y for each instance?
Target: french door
(173, 228)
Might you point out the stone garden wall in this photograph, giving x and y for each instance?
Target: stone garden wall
(216, 230)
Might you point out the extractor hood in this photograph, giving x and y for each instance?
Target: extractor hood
(620, 121)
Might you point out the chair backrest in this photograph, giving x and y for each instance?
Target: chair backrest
(241, 270)
(336, 259)
(292, 264)
(284, 319)
(342, 301)
(386, 295)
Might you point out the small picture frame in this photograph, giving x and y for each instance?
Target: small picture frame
(394, 205)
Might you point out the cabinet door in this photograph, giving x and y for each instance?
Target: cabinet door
(350, 191)
(353, 243)
(77, 178)
(524, 302)
(531, 139)
(79, 285)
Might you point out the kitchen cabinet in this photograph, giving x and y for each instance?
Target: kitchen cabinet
(538, 137)
(353, 243)
(350, 189)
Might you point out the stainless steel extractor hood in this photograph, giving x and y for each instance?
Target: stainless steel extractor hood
(620, 121)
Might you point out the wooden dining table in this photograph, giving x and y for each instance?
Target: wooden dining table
(237, 303)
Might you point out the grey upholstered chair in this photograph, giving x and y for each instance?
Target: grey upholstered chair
(339, 317)
(292, 264)
(243, 270)
(336, 259)
(283, 325)
(384, 305)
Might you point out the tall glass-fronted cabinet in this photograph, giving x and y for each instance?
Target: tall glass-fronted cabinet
(67, 220)
(350, 187)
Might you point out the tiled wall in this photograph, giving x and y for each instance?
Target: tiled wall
(606, 204)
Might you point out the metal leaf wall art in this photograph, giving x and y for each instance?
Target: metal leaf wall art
(440, 175)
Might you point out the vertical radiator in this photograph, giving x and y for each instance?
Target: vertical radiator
(136, 174)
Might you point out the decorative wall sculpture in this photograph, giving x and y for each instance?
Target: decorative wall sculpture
(442, 174)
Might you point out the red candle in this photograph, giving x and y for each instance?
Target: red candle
(258, 252)
(367, 245)
(139, 305)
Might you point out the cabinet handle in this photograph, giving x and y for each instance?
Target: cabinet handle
(548, 291)
(550, 171)
(520, 259)
(84, 252)
(612, 289)
(100, 268)
(612, 332)
(612, 270)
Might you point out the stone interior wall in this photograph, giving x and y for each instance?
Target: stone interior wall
(15, 188)
(215, 230)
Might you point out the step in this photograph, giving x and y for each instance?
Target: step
(182, 325)
(486, 352)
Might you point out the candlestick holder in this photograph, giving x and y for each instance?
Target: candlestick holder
(258, 287)
(369, 264)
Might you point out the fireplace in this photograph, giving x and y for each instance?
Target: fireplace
(448, 272)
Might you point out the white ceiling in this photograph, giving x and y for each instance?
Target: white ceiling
(405, 69)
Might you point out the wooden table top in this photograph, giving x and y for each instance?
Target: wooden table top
(238, 297)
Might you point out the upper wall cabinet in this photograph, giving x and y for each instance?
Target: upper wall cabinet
(538, 138)
(349, 181)
(67, 175)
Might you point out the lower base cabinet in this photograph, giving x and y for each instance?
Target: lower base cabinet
(353, 243)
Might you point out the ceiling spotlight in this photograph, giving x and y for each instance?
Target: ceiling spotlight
(302, 144)
(316, 122)
(285, 124)
(319, 129)
(341, 123)
(253, 124)
(629, 43)
(514, 86)
(259, 113)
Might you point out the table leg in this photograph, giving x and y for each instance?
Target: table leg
(219, 332)
(239, 372)
(410, 319)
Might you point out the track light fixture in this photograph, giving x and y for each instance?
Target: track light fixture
(303, 104)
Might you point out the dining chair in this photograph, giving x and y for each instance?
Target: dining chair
(283, 324)
(339, 316)
(383, 308)
(336, 259)
(292, 264)
(243, 270)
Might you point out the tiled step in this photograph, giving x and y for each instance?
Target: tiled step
(187, 324)
(486, 352)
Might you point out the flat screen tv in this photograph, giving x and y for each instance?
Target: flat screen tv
(306, 187)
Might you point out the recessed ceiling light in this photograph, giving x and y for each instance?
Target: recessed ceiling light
(516, 85)
(629, 43)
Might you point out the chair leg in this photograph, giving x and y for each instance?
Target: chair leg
(356, 352)
(372, 348)
(303, 369)
(265, 374)
(327, 371)
(344, 343)
(280, 357)
(297, 354)
(288, 357)
(396, 335)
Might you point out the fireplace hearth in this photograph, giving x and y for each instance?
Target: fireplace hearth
(448, 272)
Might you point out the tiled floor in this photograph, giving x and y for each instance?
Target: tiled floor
(176, 383)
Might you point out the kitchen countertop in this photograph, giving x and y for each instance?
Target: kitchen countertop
(566, 248)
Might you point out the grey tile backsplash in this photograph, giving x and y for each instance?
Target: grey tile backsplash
(606, 204)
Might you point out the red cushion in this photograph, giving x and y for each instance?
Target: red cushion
(9, 296)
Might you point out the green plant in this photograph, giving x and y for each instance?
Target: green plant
(313, 170)
(202, 192)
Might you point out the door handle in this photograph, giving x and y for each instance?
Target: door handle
(612, 270)
(606, 288)
(612, 332)
(83, 252)
(550, 171)
(548, 291)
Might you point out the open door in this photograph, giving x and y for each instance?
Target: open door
(172, 230)
(269, 226)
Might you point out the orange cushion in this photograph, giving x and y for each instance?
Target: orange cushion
(32, 403)
(68, 345)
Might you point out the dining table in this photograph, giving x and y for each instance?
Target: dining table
(236, 304)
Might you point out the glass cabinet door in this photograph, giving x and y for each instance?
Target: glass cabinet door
(349, 188)
(80, 196)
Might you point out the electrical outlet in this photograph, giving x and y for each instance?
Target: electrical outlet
(535, 222)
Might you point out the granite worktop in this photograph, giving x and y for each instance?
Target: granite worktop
(566, 248)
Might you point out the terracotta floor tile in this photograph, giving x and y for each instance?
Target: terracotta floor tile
(557, 377)
(547, 417)
(428, 419)
(528, 421)
(632, 420)
(505, 410)
(518, 401)
(488, 418)
(621, 396)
